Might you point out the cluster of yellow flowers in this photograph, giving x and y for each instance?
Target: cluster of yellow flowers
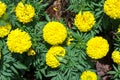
(84, 21)
(51, 56)
(24, 13)
(54, 33)
(18, 41)
(4, 30)
(116, 57)
(88, 75)
(112, 8)
(2, 8)
(97, 47)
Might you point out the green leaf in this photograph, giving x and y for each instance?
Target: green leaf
(19, 65)
(47, 18)
(52, 73)
(111, 72)
(2, 23)
(14, 70)
(6, 74)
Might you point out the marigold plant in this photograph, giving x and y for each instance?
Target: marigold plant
(59, 39)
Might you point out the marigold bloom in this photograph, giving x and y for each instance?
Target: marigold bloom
(97, 47)
(2, 8)
(116, 57)
(52, 61)
(24, 13)
(84, 21)
(31, 52)
(51, 56)
(88, 75)
(18, 41)
(54, 33)
(4, 30)
(112, 8)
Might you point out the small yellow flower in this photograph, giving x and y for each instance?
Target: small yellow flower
(55, 9)
(97, 47)
(52, 54)
(4, 30)
(118, 29)
(116, 57)
(88, 75)
(18, 41)
(2, 8)
(69, 41)
(54, 33)
(31, 52)
(84, 21)
(112, 8)
(24, 13)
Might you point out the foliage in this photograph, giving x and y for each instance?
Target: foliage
(15, 66)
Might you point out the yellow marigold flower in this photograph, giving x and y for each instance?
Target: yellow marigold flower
(97, 47)
(84, 21)
(57, 51)
(4, 30)
(52, 61)
(2, 8)
(116, 57)
(31, 52)
(51, 56)
(54, 33)
(24, 13)
(112, 8)
(88, 75)
(18, 41)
